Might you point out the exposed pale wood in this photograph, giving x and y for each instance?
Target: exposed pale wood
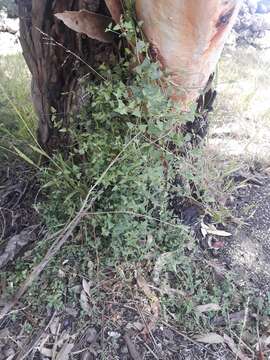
(188, 37)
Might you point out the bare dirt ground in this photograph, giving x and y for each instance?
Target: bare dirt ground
(19, 224)
(248, 252)
(240, 134)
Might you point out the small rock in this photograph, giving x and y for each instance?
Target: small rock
(67, 323)
(91, 335)
(8, 352)
(87, 356)
(71, 311)
(61, 274)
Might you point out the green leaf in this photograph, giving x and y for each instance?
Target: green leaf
(25, 157)
(38, 150)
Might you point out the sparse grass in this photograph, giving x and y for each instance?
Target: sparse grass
(241, 122)
(17, 116)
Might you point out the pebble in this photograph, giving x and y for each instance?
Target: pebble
(91, 335)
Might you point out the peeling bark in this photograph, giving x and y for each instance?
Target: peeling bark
(88, 23)
(188, 36)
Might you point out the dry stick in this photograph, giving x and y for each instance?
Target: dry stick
(188, 338)
(149, 349)
(62, 238)
(4, 225)
(242, 330)
(54, 42)
(132, 348)
(34, 341)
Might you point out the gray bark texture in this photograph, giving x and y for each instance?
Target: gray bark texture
(49, 48)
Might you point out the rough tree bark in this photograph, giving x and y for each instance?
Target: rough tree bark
(187, 36)
(55, 70)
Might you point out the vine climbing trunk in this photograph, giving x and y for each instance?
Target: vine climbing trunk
(57, 58)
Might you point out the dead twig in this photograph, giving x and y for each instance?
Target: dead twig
(149, 349)
(187, 337)
(25, 352)
(132, 348)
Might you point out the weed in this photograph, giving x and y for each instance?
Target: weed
(129, 121)
(17, 118)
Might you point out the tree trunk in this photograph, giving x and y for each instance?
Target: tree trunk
(188, 45)
(57, 58)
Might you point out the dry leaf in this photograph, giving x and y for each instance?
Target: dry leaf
(212, 230)
(115, 8)
(45, 352)
(15, 244)
(64, 338)
(204, 232)
(135, 325)
(233, 318)
(91, 267)
(234, 348)
(219, 232)
(207, 307)
(87, 355)
(54, 326)
(210, 338)
(88, 23)
(84, 302)
(10, 357)
(86, 287)
(133, 352)
(144, 286)
(64, 352)
(165, 289)
(154, 303)
(263, 343)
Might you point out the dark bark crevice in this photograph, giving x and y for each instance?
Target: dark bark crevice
(55, 70)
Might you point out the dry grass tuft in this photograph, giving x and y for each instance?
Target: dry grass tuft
(241, 122)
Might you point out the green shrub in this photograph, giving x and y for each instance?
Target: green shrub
(128, 116)
(132, 199)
